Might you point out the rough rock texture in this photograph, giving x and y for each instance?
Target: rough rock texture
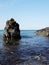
(44, 32)
(11, 30)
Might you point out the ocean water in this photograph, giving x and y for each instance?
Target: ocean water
(31, 49)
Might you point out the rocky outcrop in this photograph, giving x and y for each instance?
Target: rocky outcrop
(11, 30)
(44, 32)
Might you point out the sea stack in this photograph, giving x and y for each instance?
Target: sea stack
(11, 30)
(44, 32)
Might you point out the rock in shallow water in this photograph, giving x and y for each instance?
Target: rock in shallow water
(11, 30)
(44, 32)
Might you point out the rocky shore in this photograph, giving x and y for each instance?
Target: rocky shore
(11, 30)
(44, 32)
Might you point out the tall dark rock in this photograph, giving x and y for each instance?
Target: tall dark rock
(11, 30)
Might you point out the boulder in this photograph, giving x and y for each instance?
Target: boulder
(44, 32)
(11, 30)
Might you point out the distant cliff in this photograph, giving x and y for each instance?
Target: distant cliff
(44, 32)
(11, 30)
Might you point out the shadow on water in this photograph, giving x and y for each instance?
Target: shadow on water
(25, 36)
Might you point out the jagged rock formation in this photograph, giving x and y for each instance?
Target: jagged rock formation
(11, 30)
(44, 32)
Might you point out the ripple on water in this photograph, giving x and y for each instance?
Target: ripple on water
(31, 50)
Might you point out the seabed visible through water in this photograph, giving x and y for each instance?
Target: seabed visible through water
(32, 49)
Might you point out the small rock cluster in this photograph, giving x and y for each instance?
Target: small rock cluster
(11, 30)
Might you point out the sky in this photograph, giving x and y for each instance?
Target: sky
(30, 14)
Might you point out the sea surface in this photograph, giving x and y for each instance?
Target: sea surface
(31, 49)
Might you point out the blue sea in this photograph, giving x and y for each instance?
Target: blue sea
(31, 49)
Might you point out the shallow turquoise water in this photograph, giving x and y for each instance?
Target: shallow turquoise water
(29, 46)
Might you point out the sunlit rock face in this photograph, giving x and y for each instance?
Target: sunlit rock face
(11, 30)
(44, 32)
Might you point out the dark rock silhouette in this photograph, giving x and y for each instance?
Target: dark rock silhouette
(44, 32)
(11, 30)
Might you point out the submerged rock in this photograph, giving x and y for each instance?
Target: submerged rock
(44, 32)
(11, 30)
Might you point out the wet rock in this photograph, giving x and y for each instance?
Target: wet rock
(44, 32)
(12, 52)
(37, 57)
(40, 58)
(11, 30)
(43, 58)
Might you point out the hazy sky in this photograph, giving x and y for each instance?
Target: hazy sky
(30, 14)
